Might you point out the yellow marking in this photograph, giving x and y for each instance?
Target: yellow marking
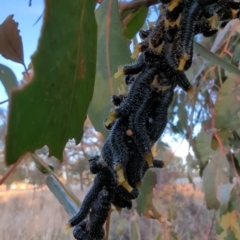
(118, 209)
(127, 186)
(120, 72)
(137, 50)
(190, 92)
(159, 48)
(168, 23)
(157, 87)
(150, 44)
(182, 62)
(234, 13)
(213, 21)
(173, 5)
(155, 83)
(149, 159)
(111, 118)
(67, 227)
(121, 178)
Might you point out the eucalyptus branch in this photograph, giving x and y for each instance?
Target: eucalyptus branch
(124, 6)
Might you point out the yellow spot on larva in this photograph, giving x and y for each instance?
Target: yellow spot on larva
(111, 118)
(137, 50)
(67, 227)
(213, 21)
(149, 159)
(182, 62)
(190, 92)
(127, 186)
(159, 48)
(121, 178)
(119, 73)
(234, 13)
(173, 5)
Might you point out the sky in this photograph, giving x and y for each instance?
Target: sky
(26, 17)
(30, 31)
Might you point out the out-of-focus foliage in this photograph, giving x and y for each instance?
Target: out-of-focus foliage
(8, 79)
(134, 21)
(144, 201)
(113, 51)
(227, 221)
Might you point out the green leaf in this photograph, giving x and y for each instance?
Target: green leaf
(224, 191)
(144, 200)
(8, 79)
(227, 107)
(236, 55)
(215, 173)
(158, 236)
(209, 56)
(134, 231)
(227, 104)
(146, 192)
(135, 21)
(203, 141)
(227, 219)
(52, 108)
(113, 51)
(222, 136)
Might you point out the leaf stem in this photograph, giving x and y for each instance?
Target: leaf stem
(10, 170)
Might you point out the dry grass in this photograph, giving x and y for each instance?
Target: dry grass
(32, 215)
(37, 215)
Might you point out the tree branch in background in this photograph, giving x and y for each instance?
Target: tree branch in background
(124, 6)
(4, 101)
(10, 170)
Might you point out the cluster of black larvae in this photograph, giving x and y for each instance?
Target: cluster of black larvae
(140, 117)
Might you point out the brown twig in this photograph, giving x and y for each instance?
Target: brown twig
(10, 170)
(124, 6)
(211, 227)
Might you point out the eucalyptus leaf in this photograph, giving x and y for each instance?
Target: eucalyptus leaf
(209, 56)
